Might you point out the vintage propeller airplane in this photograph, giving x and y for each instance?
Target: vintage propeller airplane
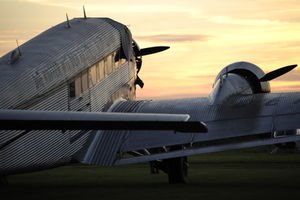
(68, 95)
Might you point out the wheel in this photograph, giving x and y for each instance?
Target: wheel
(177, 170)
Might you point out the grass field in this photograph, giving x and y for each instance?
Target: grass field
(229, 175)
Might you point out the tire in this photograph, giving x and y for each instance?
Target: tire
(177, 170)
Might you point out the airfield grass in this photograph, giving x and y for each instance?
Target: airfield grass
(249, 174)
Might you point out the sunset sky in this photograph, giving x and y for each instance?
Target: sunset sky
(204, 36)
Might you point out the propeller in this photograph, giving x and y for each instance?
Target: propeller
(151, 50)
(139, 82)
(276, 73)
(143, 52)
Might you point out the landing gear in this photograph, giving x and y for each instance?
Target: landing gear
(287, 147)
(175, 168)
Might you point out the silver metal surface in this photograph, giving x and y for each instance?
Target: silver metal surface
(55, 56)
(39, 80)
(240, 122)
(239, 116)
(204, 150)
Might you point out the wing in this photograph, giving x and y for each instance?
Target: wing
(58, 120)
(244, 121)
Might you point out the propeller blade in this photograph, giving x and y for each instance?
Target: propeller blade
(138, 81)
(276, 73)
(151, 50)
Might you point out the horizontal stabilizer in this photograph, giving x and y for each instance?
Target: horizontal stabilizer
(59, 120)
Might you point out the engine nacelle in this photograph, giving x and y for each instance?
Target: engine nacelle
(238, 78)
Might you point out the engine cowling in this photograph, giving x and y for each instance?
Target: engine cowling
(245, 78)
(238, 78)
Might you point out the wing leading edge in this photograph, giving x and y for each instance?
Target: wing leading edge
(59, 120)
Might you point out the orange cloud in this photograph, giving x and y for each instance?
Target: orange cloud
(292, 76)
(240, 21)
(174, 38)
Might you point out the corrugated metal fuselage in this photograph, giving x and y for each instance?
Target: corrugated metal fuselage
(63, 69)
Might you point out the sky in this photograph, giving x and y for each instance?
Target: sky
(204, 36)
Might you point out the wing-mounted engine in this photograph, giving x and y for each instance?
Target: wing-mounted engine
(243, 78)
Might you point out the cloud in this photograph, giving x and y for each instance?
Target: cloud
(5, 41)
(6, 37)
(200, 77)
(291, 76)
(171, 96)
(288, 88)
(174, 38)
(253, 22)
(135, 6)
(289, 44)
(11, 31)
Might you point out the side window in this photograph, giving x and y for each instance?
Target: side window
(92, 76)
(84, 81)
(116, 58)
(79, 85)
(98, 72)
(72, 89)
(95, 74)
(101, 70)
(108, 65)
(78, 89)
(122, 58)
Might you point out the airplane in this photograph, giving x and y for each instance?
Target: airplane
(69, 96)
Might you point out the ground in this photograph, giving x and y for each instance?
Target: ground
(243, 175)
